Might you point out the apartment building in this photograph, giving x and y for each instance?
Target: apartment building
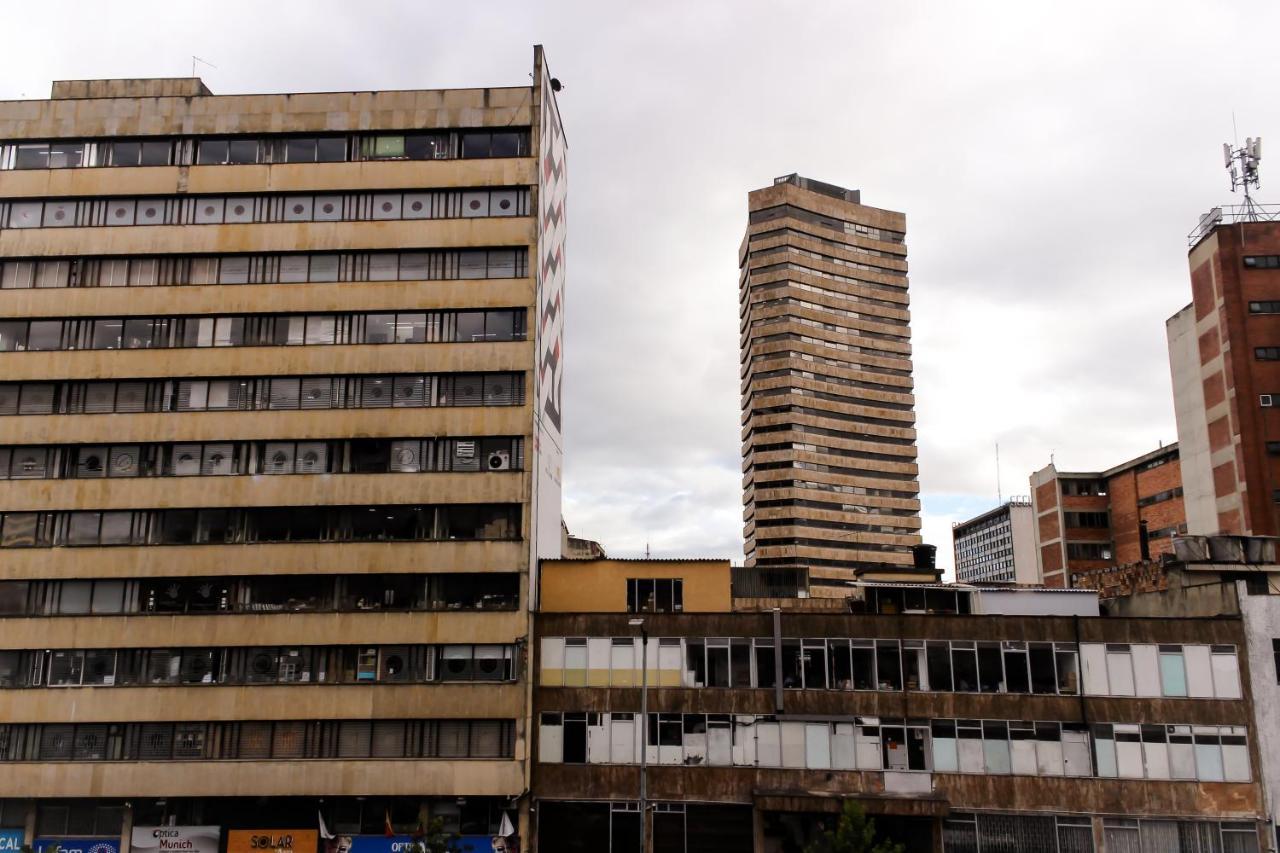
(997, 546)
(1091, 520)
(962, 719)
(279, 449)
(828, 423)
(1224, 354)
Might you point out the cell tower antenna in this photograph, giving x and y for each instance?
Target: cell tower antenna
(1242, 164)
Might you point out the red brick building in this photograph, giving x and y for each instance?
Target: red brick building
(1094, 520)
(1224, 352)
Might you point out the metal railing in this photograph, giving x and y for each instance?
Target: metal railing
(1231, 214)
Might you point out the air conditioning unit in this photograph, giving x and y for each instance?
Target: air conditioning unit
(91, 462)
(1264, 400)
(499, 460)
(464, 449)
(313, 458)
(124, 461)
(406, 456)
(186, 460)
(219, 460)
(277, 459)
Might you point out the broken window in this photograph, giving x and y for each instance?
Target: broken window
(938, 658)
(888, 665)
(964, 663)
(765, 660)
(1017, 678)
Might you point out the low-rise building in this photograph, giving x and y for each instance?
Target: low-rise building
(964, 719)
(1093, 520)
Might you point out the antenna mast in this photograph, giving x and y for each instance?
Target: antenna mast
(999, 490)
(1242, 164)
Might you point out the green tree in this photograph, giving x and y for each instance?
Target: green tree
(434, 839)
(853, 833)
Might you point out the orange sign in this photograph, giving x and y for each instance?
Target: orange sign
(272, 840)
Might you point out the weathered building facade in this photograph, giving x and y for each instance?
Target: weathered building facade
(279, 449)
(964, 720)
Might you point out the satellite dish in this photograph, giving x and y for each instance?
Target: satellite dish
(556, 85)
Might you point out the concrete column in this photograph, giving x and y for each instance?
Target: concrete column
(757, 830)
(126, 828)
(29, 828)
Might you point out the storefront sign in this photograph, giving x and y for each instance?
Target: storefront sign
(77, 845)
(10, 840)
(272, 840)
(176, 839)
(406, 843)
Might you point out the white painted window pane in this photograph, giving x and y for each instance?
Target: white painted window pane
(1155, 757)
(1182, 761)
(768, 745)
(1146, 668)
(792, 744)
(575, 664)
(817, 746)
(1128, 754)
(1049, 758)
(598, 661)
(744, 741)
(1022, 755)
(996, 757)
(552, 662)
(842, 755)
(1120, 674)
(867, 748)
(598, 740)
(1235, 762)
(971, 757)
(945, 757)
(624, 664)
(1093, 657)
(550, 743)
(1226, 676)
(1075, 754)
(1199, 671)
(719, 746)
(622, 737)
(1209, 762)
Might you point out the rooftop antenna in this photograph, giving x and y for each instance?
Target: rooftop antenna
(1242, 164)
(999, 491)
(646, 550)
(195, 59)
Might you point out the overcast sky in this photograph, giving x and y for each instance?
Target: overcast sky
(1050, 159)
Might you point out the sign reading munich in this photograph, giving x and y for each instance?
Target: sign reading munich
(175, 839)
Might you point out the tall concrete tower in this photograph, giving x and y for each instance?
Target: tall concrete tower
(828, 417)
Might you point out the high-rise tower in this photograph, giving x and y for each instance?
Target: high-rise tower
(828, 418)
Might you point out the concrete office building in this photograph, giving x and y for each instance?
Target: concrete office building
(1092, 520)
(828, 422)
(279, 452)
(997, 546)
(964, 719)
(1224, 353)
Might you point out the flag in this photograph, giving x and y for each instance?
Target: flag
(420, 832)
(505, 829)
(324, 830)
(386, 824)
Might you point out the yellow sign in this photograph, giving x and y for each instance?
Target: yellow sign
(272, 841)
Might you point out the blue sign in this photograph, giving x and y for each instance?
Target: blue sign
(10, 840)
(77, 845)
(405, 844)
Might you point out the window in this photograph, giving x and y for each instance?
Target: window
(1266, 353)
(1261, 262)
(655, 595)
